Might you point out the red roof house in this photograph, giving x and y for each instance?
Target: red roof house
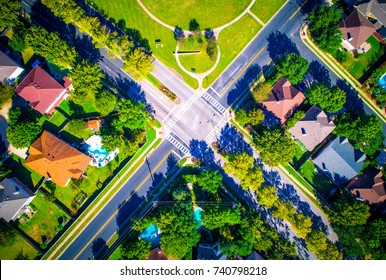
(283, 100)
(41, 90)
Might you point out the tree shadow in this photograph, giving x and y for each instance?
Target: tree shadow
(201, 150)
(241, 85)
(301, 247)
(231, 141)
(98, 245)
(353, 101)
(171, 163)
(86, 49)
(126, 209)
(279, 45)
(270, 119)
(317, 73)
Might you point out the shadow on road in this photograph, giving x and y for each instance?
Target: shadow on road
(279, 45)
(201, 150)
(231, 141)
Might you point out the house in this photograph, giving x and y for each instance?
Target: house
(340, 161)
(56, 160)
(210, 252)
(14, 199)
(375, 9)
(313, 128)
(369, 186)
(157, 254)
(9, 70)
(41, 91)
(94, 125)
(381, 158)
(283, 100)
(356, 29)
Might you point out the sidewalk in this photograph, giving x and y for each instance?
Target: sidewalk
(341, 72)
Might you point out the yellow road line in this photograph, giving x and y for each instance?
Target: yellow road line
(291, 17)
(127, 200)
(242, 72)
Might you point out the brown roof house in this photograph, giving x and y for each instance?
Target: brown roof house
(41, 91)
(9, 70)
(56, 160)
(14, 199)
(283, 100)
(356, 29)
(94, 125)
(313, 128)
(369, 186)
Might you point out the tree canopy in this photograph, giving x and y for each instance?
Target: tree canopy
(9, 12)
(292, 67)
(261, 91)
(209, 180)
(105, 102)
(6, 93)
(328, 99)
(217, 217)
(132, 114)
(134, 248)
(275, 148)
(323, 25)
(363, 131)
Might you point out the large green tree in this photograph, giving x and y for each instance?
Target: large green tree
(363, 131)
(261, 91)
(105, 102)
(275, 148)
(329, 99)
(216, 217)
(322, 22)
(267, 196)
(318, 243)
(134, 248)
(210, 180)
(302, 225)
(78, 128)
(292, 67)
(9, 11)
(23, 134)
(138, 63)
(132, 115)
(50, 46)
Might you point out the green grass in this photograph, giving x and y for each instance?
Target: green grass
(320, 182)
(232, 41)
(136, 18)
(58, 119)
(208, 13)
(300, 155)
(26, 175)
(76, 110)
(200, 62)
(44, 223)
(9, 252)
(358, 66)
(264, 10)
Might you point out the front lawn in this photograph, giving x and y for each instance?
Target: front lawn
(358, 66)
(77, 111)
(46, 221)
(264, 10)
(10, 251)
(301, 154)
(208, 13)
(26, 175)
(232, 41)
(318, 180)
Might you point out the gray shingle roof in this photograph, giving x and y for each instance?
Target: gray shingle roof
(7, 67)
(340, 161)
(373, 8)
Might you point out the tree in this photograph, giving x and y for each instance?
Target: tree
(241, 117)
(318, 243)
(363, 131)
(347, 211)
(211, 49)
(78, 128)
(105, 102)
(50, 46)
(179, 34)
(87, 81)
(323, 25)
(302, 225)
(299, 114)
(138, 63)
(285, 211)
(328, 99)
(21, 255)
(22, 135)
(194, 26)
(217, 217)
(135, 248)
(7, 235)
(68, 10)
(292, 67)
(261, 91)
(112, 141)
(18, 38)
(275, 148)
(268, 196)
(4, 171)
(210, 180)
(9, 13)
(255, 116)
(6, 93)
(132, 114)
(180, 193)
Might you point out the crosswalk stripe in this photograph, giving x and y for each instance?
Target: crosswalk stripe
(178, 145)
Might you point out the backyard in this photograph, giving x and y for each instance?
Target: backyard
(46, 222)
(358, 66)
(320, 182)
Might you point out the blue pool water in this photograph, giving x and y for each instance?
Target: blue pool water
(95, 149)
(150, 234)
(382, 82)
(198, 216)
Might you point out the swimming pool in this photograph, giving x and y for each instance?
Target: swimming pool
(382, 82)
(100, 156)
(150, 234)
(198, 216)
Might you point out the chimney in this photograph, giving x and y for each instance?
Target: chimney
(287, 90)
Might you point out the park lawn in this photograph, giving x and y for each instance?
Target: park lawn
(264, 10)
(9, 252)
(136, 18)
(198, 62)
(358, 66)
(26, 175)
(232, 40)
(208, 13)
(319, 181)
(44, 224)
